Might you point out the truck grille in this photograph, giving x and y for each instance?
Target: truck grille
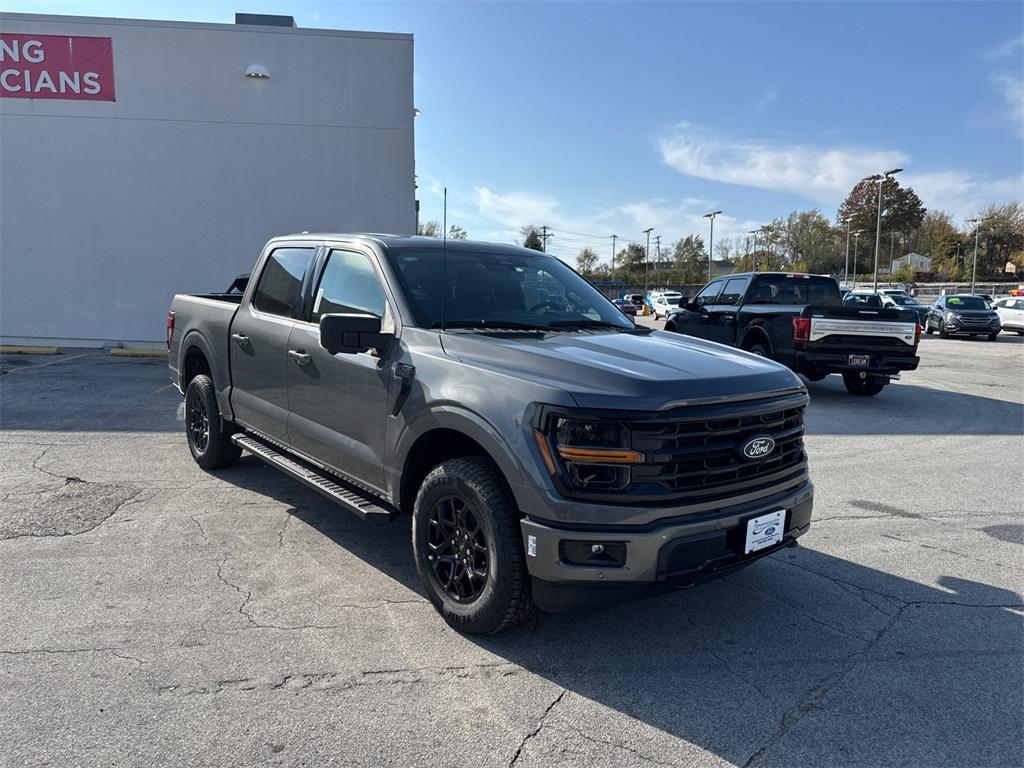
(696, 454)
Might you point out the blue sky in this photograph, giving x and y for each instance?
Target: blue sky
(601, 118)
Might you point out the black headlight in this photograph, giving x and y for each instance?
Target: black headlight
(595, 453)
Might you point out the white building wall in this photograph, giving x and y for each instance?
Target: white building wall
(109, 208)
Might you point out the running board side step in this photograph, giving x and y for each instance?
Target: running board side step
(343, 494)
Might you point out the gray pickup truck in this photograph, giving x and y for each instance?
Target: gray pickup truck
(551, 453)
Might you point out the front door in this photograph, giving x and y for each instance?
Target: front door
(259, 342)
(695, 320)
(721, 321)
(339, 402)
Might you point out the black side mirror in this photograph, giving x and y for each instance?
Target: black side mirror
(350, 334)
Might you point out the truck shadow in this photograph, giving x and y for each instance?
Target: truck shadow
(815, 659)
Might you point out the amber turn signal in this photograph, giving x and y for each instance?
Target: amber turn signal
(600, 455)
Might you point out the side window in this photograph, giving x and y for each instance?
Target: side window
(280, 286)
(348, 284)
(733, 291)
(708, 294)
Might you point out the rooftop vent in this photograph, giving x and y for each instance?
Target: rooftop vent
(264, 20)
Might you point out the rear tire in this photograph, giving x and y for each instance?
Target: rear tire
(868, 387)
(761, 350)
(467, 543)
(993, 336)
(670, 326)
(210, 445)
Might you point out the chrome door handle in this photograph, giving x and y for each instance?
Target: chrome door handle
(240, 338)
(299, 356)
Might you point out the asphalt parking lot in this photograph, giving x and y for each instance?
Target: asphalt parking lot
(154, 614)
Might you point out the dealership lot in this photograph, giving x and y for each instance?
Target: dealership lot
(156, 614)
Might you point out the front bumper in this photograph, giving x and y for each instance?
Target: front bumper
(676, 554)
(971, 330)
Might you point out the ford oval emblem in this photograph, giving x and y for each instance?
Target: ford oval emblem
(758, 447)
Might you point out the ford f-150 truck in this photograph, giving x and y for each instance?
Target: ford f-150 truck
(799, 320)
(550, 453)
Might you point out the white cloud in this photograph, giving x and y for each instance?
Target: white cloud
(819, 173)
(574, 230)
(1013, 93)
(1005, 49)
(962, 194)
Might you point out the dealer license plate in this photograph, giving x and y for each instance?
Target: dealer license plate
(861, 360)
(764, 531)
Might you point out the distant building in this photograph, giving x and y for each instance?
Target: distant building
(913, 259)
(721, 267)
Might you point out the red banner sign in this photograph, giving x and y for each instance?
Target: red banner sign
(56, 67)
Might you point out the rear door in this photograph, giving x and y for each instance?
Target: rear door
(259, 340)
(338, 403)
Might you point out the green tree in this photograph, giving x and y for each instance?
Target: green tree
(629, 264)
(937, 239)
(456, 232)
(531, 238)
(428, 229)
(810, 243)
(1001, 237)
(902, 210)
(690, 259)
(586, 262)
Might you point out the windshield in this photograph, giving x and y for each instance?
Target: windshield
(673, 300)
(903, 300)
(501, 290)
(863, 300)
(954, 303)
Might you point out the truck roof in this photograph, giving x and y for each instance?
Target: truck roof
(402, 242)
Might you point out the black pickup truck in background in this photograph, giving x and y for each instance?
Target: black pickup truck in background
(799, 320)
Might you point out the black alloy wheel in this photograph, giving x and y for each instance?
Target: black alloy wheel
(198, 421)
(457, 549)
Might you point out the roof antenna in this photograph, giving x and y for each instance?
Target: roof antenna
(444, 256)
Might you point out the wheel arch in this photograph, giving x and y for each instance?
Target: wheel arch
(447, 434)
(755, 334)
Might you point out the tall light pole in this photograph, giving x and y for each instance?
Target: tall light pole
(749, 257)
(846, 272)
(647, 255)
(856, 238)
(614, 238)
(880, 179)
(711, 240)
(766, 230)
(977, 228)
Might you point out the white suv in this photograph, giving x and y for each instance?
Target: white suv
(1011, 313)
(663, 303)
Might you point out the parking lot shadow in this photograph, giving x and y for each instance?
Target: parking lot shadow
(801, 659)
(908, 409)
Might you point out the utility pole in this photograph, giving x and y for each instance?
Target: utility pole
(767, 232)
(892, 242)
(711, 240)
(856, 237)
(614, 238)
(647, 254)
(657, 251)
(880, 179)
(750, 256)
(977, 228)
(846, 271)
(544, 238)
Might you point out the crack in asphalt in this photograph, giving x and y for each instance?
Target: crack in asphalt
(540, 724)
(699, 632)
(624, 747)
(247, 593)
(295, 681)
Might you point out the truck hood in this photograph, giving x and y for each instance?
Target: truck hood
(625, 370)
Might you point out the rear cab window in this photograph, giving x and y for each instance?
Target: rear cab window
(796, 290)
(279, 291)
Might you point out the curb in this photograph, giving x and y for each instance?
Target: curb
(17, 350)
(138, 352)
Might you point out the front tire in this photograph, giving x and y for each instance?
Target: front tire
(942, 330)
(868, 387)
(210, 445)
(467, 543)
(928, 327)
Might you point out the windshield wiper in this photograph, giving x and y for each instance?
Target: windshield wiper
(587, 323)
(510, 325)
